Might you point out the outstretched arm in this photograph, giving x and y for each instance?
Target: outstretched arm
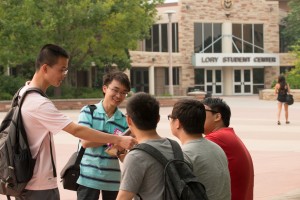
(89, 134)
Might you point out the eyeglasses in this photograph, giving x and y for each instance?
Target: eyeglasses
(64, 71)
(115, 91)
(213, 111)
(170, 117)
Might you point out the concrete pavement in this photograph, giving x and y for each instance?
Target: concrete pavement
(275, 149)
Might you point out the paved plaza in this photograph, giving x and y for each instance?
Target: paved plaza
(275, 149)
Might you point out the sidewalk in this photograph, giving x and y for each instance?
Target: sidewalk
(275, 149)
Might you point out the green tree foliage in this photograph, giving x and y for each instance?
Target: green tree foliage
(291, 33)
(99, 31)
(293, 77)
(292, 29)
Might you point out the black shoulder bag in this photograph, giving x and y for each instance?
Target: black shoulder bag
(71, 171)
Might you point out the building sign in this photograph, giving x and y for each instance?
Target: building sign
(234, 59)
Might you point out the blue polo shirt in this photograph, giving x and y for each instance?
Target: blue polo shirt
(99, 170)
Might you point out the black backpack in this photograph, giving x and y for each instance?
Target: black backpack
(17, 164)
(180, 182)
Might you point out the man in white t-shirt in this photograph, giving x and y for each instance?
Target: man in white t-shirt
(42, 120)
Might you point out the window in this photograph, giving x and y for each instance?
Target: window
(283, 47)
(175, 76)
(258, 80)
(158, 41)
(247, 38)
(199, 80)
(208, 37)
(285, 69)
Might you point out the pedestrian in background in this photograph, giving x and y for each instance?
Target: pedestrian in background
(282, 88)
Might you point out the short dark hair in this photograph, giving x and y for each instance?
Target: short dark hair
(49, 55)
(191, 114)
(118, 76)
(143, 109)
(220, 106)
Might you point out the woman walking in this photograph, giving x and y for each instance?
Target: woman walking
(282, 89)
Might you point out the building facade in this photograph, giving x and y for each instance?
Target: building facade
(224, 47)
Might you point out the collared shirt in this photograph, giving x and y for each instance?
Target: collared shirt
(99, 170)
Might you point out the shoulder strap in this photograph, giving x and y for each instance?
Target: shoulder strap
(82, 150)
(178, 155)
(15, 102)
(30, 90)
(153, 152)
(20, 122)
(79, 156)
(177, 151)
(92, 109)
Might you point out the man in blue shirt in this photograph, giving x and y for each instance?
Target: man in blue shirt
(100, 172)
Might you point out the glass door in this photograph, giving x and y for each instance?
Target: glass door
(242, 83)
(214, 81)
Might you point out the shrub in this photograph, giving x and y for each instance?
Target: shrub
(10, 85)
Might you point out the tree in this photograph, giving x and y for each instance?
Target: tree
(292, 25)
(291, 33)
(98, 31)
(293, 77)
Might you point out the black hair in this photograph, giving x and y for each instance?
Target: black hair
(49, 55)
(143, 109)
(282, 82)
(118, 76)
(220, 106)
(191, 114)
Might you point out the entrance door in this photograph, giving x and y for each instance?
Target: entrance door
(139, 79)
(242, 83)
(214, 81)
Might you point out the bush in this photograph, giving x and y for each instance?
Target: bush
(68, 92)
(10, 85)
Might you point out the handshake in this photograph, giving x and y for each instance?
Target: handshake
(116, 151)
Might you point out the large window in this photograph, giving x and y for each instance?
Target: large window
(199, 79)
(208, 37)
(175, 73)
(248, 38)
(283, 47)
(158, 41)
(258, 80)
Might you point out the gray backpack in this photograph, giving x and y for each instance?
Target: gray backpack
(17, 164)
(180, 182)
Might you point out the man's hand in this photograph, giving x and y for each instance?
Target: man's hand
(127, 142)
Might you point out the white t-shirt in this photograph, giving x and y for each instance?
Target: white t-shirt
(41, 120)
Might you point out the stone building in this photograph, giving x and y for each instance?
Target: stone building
(224, 47)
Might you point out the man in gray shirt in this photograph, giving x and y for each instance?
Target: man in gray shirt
(141, 173)
(208, 160)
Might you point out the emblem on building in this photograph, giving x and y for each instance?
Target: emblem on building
(227, 4)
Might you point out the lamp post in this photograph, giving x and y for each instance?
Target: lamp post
(170, 12)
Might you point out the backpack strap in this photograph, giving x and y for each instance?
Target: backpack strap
(82, 150)
(92, 109)
(15, 100)
(52, 159)
(177, 151)
(153, 152)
